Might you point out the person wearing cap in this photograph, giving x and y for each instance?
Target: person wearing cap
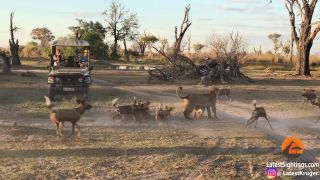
(84, 59)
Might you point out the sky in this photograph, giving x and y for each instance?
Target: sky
(254, 19)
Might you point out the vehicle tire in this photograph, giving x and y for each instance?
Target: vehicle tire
(51, 93)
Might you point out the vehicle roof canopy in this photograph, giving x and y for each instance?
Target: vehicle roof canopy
(71, 42)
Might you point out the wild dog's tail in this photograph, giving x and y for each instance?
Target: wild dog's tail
(48, 103)
(115, 102)
(181, 97)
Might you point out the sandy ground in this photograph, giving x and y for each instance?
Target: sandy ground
(201, 148)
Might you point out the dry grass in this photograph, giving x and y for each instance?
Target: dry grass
(201, 149)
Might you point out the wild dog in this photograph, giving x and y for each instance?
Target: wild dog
(73, 115)
(309, 94)
(207, 100)
(162, 114)
(207, 79)
(257, 112)
(224, 92)
(316, 104)
(135, 110)
(199, 111)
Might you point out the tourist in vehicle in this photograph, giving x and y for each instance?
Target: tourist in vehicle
(84, 59)
(58, 58)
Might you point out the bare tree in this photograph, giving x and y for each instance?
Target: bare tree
(14, 43)
(303, 35)
(186, 23)
(258, 52)
(229, 50)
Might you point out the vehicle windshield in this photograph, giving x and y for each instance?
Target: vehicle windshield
(70, 57)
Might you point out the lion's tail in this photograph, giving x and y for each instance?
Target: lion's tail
(178, 94)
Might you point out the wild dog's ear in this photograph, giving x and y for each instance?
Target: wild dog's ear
(80, 101)
(48, 101)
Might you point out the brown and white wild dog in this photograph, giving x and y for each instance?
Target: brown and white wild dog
(257, 112)
(73, 115)
(207, 100)
(316, 104)
(199, 111)
(224, 92)
(309, 94)
(135, 111)
(162, 114)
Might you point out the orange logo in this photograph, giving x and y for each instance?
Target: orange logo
(292, 147)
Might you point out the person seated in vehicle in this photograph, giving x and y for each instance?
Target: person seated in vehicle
(84, 59)
(58, 58)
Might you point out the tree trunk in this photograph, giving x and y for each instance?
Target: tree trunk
(6, 69)
(306, 34)
(291, 50)
(142, 49)
(303, 55)
(126, 53)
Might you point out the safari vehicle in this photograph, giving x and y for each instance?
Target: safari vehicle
(69, 76)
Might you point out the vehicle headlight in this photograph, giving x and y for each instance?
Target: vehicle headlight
(57, 79)
(50, 79)
(87, 79)
(80, 79)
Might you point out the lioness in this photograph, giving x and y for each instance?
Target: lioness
(205, 100)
